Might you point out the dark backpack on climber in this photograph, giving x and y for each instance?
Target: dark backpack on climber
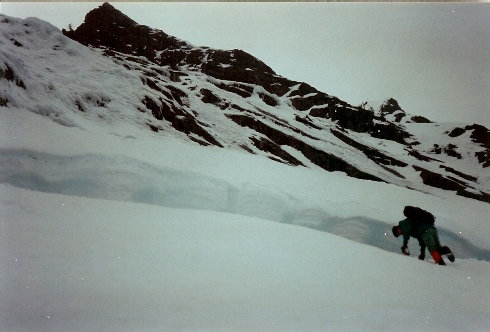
(418, 215)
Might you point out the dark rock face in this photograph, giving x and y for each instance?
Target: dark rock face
(209, 97)
(456, 132)
(323, 159)
(483, 157)
(390, 107)
(446, 183)
(420, 119)
(460, 174)
(242, 90)
(373, 154)
(480, 135)
(267, 145)
(108, 27)
(233, 75)
(179, 119)
(239, 66)
(9, 75)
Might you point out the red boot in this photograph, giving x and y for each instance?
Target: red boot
(437, 257)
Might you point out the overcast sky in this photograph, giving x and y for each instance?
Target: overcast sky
(433, 58)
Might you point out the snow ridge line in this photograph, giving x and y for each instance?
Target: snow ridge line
(127, 179)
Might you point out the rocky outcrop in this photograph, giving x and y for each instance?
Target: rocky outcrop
(391, 107)
(437, 180)
(9, 75)
(480, 135)
(105, 26)
(373, 154)
(321, 158)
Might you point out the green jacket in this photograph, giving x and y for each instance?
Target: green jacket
(409, 229)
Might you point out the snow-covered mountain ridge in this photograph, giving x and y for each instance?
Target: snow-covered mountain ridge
(114, 216)
(132, 75)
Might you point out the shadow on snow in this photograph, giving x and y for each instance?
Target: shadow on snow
(128, 179)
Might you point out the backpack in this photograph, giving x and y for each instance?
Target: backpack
(418, 215)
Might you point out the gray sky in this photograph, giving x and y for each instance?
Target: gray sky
(434, 58)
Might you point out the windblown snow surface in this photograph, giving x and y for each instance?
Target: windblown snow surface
(109, 227)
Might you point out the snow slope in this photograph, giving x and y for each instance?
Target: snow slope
(76, 264)
(187, 239)
(105, 226)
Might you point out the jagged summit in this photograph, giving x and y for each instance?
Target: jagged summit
(120, 74)
(391, 107)
(106, 26)
(106, 13)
